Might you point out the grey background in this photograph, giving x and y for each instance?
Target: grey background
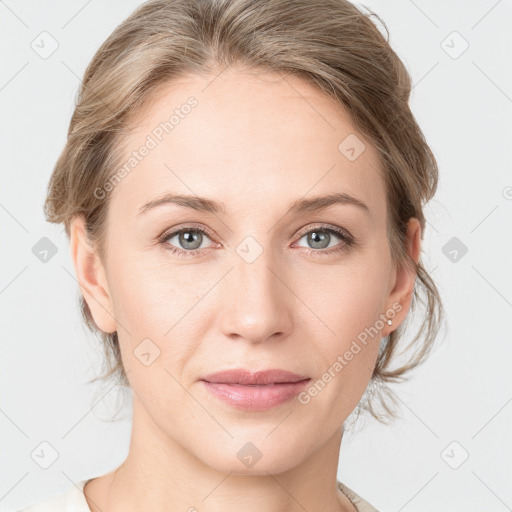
(458, 404)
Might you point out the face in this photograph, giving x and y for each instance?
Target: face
(259, 283)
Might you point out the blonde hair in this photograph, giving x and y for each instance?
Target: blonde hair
(328, 43)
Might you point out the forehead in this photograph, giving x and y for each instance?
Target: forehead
(248, 140)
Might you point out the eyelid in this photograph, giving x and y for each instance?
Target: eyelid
(327, 227)
(173, 231)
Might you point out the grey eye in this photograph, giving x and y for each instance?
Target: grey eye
(320, 238)
(188, 239)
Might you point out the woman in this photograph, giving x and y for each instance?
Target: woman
(243, 187)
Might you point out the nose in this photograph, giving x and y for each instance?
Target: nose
(258, 301)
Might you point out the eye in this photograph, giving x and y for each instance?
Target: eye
(189, 240)
(321, 237)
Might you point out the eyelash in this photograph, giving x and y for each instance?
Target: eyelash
(348, 241)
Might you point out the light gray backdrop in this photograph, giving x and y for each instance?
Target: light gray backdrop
(452, 449)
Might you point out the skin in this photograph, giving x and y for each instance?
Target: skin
(256, 142)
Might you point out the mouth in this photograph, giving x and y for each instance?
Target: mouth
(254, 391)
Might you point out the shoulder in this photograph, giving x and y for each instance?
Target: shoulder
(71, 500)
(356, 500)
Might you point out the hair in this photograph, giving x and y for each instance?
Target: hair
(333, 46)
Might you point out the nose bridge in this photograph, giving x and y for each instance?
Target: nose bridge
(257, 305)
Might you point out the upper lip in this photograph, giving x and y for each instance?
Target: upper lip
(246, 377)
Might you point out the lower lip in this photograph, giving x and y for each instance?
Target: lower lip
(255, 398)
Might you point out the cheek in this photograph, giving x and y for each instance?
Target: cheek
(159, 308)
(154, 295)
(347, 298)
(343, 321)
(345, 358)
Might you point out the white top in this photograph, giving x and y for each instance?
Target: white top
(73, 500)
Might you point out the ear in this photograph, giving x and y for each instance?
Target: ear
(400, 297)
(91, 277)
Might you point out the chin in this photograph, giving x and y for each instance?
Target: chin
(258, 457)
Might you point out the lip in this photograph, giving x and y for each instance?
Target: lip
(254, 391)
(246, 377)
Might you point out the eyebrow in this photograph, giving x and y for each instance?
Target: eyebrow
(210, 206)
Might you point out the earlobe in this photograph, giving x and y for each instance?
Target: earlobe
(403, 289)
(91, 277)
